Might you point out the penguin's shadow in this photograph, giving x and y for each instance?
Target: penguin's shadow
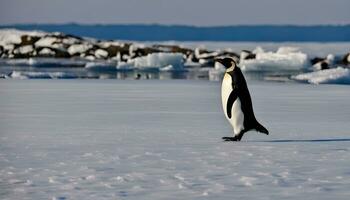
(310, 141)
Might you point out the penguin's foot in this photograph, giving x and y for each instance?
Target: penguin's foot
(231, 139)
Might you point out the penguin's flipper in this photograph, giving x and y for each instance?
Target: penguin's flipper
(231, 99)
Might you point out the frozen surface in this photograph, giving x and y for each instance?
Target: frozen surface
(112, 139)
(337, 75)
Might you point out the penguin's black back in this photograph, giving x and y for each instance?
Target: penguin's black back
(239, 85)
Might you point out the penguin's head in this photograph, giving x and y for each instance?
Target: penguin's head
(227, 62)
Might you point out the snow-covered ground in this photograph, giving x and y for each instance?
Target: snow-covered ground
(150, 139)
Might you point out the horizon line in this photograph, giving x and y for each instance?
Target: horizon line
(174, 25)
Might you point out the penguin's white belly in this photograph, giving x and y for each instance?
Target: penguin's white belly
(237, 117)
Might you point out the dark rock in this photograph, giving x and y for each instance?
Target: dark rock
(248, 55)
(28, 40)
(61, 53)
(139, 52)
(113, 50)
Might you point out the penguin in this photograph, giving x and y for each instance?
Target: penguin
(236, 101)
(322, 63)
(346, 59)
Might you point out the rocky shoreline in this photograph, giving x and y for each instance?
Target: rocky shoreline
(15, 44)
(59, 50)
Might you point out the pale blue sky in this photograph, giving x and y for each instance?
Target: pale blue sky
(188, 12)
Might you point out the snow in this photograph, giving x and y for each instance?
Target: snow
(106, 44)
(24, 49)
(204, 55)
(145, 139)
(70, 41)
(285, 58)
(13, 36)
(46, 51)
(337, 75)
(46, 42)
(78, 48)
(100, 53)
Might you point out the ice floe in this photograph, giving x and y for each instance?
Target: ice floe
(337, 75)
(160, 60)
(41, 75)
(285, 58)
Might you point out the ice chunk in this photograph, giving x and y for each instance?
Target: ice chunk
(258, 49)
(160, 60)
(284, 58)
(337, 75)
(287, 50)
